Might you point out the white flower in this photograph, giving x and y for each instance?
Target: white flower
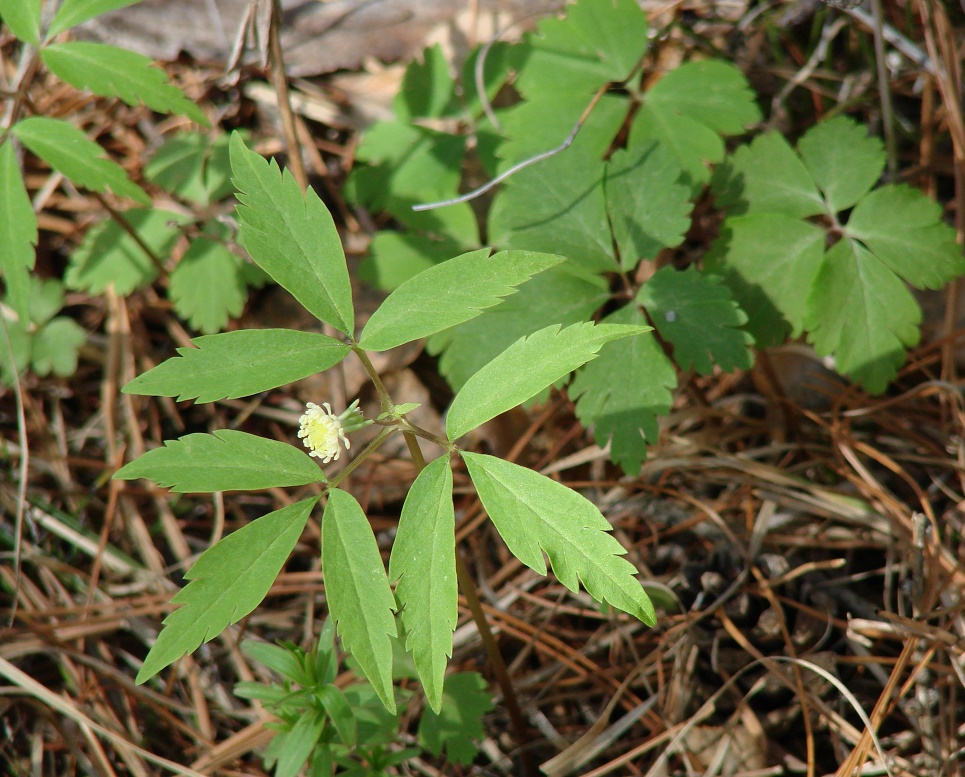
(321, 431)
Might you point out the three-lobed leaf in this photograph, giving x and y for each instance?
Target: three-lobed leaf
(239, 364)
(110, 71)
(423, 561)
(696, 313)
(18, 225)
(453, 728)
(226, 583)
(536, 515)
(842, 159)
(207, 287)
(528, 366)
(449, 294)
(649, 208)
(357, 591)
(226, 460)
(68, 150)
(292, 237)
(623, 391)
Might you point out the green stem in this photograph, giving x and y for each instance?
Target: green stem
(384, 399)
(382, 436)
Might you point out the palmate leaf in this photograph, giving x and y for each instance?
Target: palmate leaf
(558, 205)
(292, 237)
(239, 364)
(528, 366)
(207, 287)
(904, 230)
(74, 12)
(691, 108)
(423, 561)
(623, 391)
(226, 460)
(194, 166)
(842, 159)
(394, 257)
(699, 316)
(67, 150)
(110, 71)
(767, 176)
(18, 225)
(565, 294)
(55, 347)
(23, 19)
(863, 314)
(357, 591)
(649, 208)
(450, 293)
(769, 261)
(534, 514)
(110, 256)
(597, 42)
(453, 728)
(228, 581)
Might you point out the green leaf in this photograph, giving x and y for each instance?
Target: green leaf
(450, 293)
(621, 393)
(769, 262)
(67, 150)
(903, 228)
(558, 204)
(54, 348)
(767, 176)
(109, 256)
(20, 345)
(339, 712)
(597, 42)
(226, 460)
(239, 364)
(46, 300)
(564, 294)
(394, 257)
(194, 166)
(74, 12)
(453, 729)
(407, 165)
(649, 208)
(536, 515)
(292, 237)
(699, 316)
(423, 561)
(427, 88)
(114, 72)
(207, 287)
(23, 19)
(18, 225)
(357, 591)
(300, 741)
(843, 161)
(690, 108)
(860, 312)
(227, 582)
(528, 366)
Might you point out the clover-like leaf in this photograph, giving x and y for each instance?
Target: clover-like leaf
(621, 393)
(454, 728)
(207, 287)
(226, 583)
(226, 460)
(699, 316)
(842, 159)
(535, 515)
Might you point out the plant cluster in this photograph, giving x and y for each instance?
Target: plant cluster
(810, 245)
(323, 726)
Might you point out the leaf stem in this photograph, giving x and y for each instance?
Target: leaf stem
(385, 401)
(380, 438)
